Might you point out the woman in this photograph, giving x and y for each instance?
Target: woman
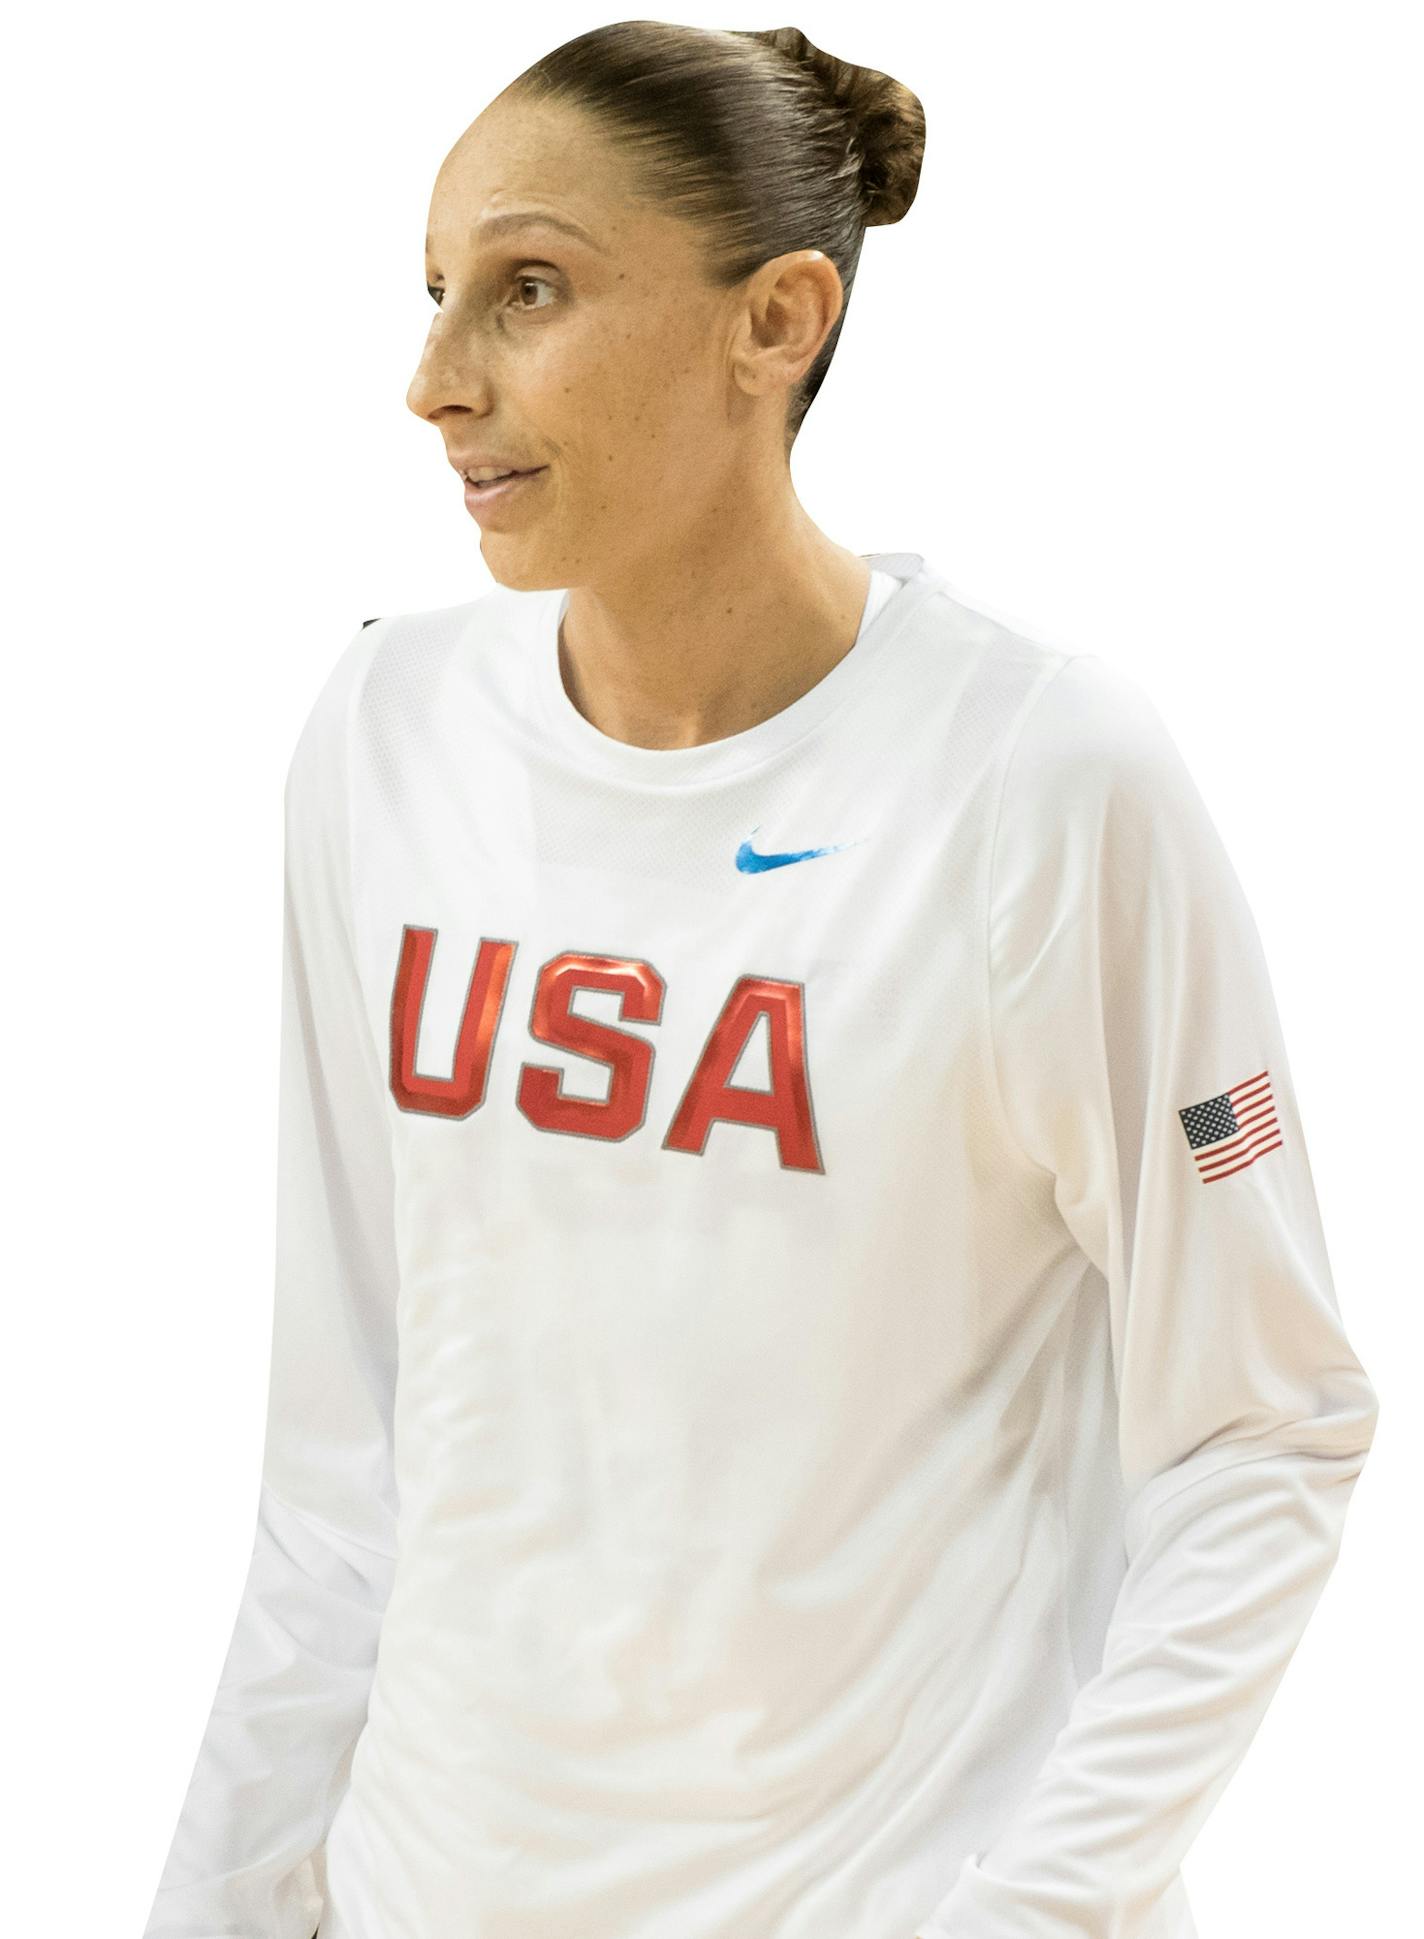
(807, 1395)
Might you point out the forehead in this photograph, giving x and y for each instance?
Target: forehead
(518, 160)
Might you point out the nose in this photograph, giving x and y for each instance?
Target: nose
(430, 388)
(445, 376)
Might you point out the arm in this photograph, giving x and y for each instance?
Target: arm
(1131, 1010)
(291, 1698)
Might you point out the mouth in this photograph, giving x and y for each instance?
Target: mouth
(490, 491)
(488, 481)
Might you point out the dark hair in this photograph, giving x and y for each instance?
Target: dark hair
(758, 138)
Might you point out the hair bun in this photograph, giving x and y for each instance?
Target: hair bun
(886, 122)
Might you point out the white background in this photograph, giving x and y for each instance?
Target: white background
(1140, 373)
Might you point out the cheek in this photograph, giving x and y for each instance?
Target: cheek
(645, 387)
(632, 404)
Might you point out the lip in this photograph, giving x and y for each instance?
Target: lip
(493, 460)
(485, 501)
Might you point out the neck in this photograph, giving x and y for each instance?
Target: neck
(719, 641)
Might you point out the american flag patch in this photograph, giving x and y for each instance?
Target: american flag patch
(1229, 1132)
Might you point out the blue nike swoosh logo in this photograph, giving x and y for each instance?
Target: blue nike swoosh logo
(750, 863)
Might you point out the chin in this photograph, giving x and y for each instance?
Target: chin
(518, 576)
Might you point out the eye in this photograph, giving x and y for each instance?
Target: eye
(436, 293)
(523, 282)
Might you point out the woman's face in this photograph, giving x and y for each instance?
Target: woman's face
(652, 401)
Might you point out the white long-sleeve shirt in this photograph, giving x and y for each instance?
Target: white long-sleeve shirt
(807, 1394)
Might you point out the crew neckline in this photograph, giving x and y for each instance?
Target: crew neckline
(732, 753)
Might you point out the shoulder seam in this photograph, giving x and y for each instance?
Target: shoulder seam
(987, 903)
(354, 693)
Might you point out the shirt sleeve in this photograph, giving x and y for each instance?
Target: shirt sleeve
(247, 1858)
(1141, 1066)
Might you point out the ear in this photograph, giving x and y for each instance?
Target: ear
(790, 307)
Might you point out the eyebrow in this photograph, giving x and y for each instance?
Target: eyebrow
(530, 219)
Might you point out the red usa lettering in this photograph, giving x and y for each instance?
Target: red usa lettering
(709, 1096)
